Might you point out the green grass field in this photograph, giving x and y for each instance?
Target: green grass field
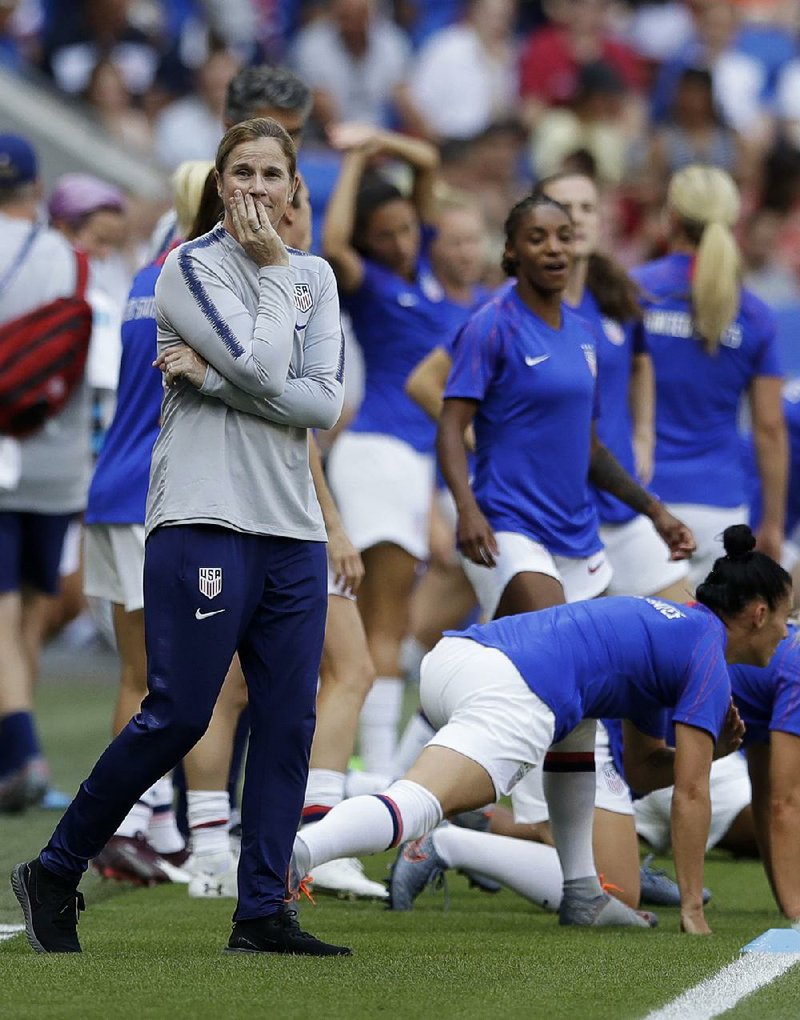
(156, 953)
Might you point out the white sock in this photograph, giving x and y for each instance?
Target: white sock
(208, 813)
(367, 825)
(357, 784)
(529, 869)
(380, 718)
(570, 803)
(324, 790)
(163, 833)
(412, 652)
(136, 820)
(415, 736)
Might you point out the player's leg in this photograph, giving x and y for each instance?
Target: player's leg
(383, 601)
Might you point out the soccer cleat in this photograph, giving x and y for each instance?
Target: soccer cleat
(51, 908)
(24, 787)
(602, 910)
(658, 889)
(279, 933)
(132, 859)
(345, 878)
(416, 866)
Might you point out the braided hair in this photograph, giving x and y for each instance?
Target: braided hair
(525, 205)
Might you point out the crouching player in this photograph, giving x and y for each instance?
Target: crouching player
(506, 692)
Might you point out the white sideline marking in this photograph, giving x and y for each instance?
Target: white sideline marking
(8, 931)
(721, 992)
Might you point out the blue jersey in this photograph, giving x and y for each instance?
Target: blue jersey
(118, 491)
(397, 323)
(641, 659)
(698, 395)
(791, 412)
(617, 344)
(536, 391)
(769, 699)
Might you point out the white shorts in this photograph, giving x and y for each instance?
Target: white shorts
(639, 558)
(518, 554)
(114, 564)
(730, 795)
(383, 489)
(707, 524)
(337, 588)
(482, 708)
(71, 549)
(611, 790)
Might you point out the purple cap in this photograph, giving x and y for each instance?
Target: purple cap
(76, 196)
(17, 161)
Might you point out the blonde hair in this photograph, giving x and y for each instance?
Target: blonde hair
(188, 182)
(706, 200)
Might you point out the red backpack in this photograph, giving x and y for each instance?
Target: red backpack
(43, 357)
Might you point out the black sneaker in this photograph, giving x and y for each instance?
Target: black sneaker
(279, 933)
(51, 908)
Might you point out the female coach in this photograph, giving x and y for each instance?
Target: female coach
(235, 557)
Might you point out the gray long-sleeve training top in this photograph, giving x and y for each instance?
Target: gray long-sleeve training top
(235, 452)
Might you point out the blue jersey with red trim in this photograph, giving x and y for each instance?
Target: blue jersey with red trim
(643, 659)
(617, 344)
(769, 699)
(536, 395)
(698, 394)
(118, 491)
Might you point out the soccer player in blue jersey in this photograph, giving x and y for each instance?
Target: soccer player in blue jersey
(524, 372)
(524, 691)
(235, 555)
(768, 700)
(381, 469)
(712, 343)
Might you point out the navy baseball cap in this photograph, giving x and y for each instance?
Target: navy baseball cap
(17, 161)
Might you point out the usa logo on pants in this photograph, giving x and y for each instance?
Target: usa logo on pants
(210, 581)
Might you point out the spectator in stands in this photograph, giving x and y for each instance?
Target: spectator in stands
(554, 54)
(466, 75)
(77, 36)
(764, 271)
(740, 81)
(45, 477)
(592, 121)
(354, 60)
(191, 128)
(694, 133)
(114, 108)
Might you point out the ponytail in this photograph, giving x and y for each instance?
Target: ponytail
(742, 575)
(706, 201)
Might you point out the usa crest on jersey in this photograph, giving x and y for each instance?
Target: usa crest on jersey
(302, 297)
(591, 358)
(210, 581)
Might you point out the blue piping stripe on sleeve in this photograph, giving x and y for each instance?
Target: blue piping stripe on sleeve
(340, 366)
(200, 294)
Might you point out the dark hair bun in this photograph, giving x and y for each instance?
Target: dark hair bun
(738, 541)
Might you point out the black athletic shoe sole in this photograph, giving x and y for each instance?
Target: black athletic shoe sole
(20, 887)
(284, 952)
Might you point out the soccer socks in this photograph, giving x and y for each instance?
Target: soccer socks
(324, 790)
(18, 741)
(380, 719)
(416, 735)
(136, 820)
(208, 813)
(163, 834)
(368, 825)
(529, 869)
(569, 786)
